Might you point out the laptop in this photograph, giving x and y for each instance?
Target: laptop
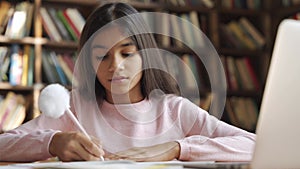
(278, 128)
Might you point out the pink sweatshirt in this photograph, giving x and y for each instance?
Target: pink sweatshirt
(119, 127)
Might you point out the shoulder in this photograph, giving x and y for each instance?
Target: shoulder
(177, 103)
(79, 104)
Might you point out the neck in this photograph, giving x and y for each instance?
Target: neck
(124, 98)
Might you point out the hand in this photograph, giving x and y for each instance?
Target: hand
(161, 152)
(74, 146)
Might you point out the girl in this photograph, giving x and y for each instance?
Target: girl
(128, 104)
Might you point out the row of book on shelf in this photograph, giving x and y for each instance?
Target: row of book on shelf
(238, 111)
(16, 20)
(17, 64)
(184, 28)
(240, 74)
(62, 24)
(242, 34)
(12, 111)
(296, 16)
(290, 2)
(242, 112)
(58, 67)
(184, 69)
(242, 4)
(198, 3)
(58, 24)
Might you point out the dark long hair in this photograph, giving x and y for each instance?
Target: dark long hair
(153, 77)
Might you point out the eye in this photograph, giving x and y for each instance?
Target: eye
(101, 57)
(128, 54)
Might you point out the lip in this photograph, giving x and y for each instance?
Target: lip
(118, 79)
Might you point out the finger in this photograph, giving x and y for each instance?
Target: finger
(90, 146)
(96, 141)
(84, 154)
(69, 156)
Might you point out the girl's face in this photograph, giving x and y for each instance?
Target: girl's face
(119, 68)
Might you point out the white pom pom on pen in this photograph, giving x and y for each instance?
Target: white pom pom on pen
(54, 100)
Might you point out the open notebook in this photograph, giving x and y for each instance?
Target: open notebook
(278, 128)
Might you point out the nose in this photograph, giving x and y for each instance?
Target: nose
(116, 63)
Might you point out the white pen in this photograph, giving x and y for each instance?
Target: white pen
(48, 99)
(71, 115)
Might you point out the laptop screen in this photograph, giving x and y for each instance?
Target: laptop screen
(278, 128)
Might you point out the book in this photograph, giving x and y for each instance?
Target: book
(20, 22)
(232, 76)
(16, 65)
(251, 71)
(68, 59)
(205, 103)
(59, 25)
(5, 23)
(16, 24)
(244, 74)
(6, 106)
(194, 68)
(241, 113)
(29, 17)
(185, 26)
(67, 71)
(60, 72)
(26, 53)
(49, 26)
(190, 82)
(172, 66)
(177, 32)
(76, 18)
(252, 110)
(30, 76)
(16, 119)
(4, 69)
(63, 19)
(3, 55)
(241, 35)
(71, 23)
(16, 114)
(7, 110)
(164, 28)
(196, 30)
(259, 38)
(224, 65)
(48, 69)
(230, 37)
(4, 9)
(232, 117)
(208, 3)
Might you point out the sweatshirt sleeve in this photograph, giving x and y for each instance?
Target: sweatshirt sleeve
(209, 139)
(30, 141)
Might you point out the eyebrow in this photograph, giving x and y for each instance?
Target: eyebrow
(122, 45)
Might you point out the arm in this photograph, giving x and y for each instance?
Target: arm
(30, 141)
(211, 139)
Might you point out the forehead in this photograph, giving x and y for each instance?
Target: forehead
(109, 37)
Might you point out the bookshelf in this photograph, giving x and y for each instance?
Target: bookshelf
(212, 16)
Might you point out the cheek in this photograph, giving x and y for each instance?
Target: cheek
(135, 64)
(100, 72)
